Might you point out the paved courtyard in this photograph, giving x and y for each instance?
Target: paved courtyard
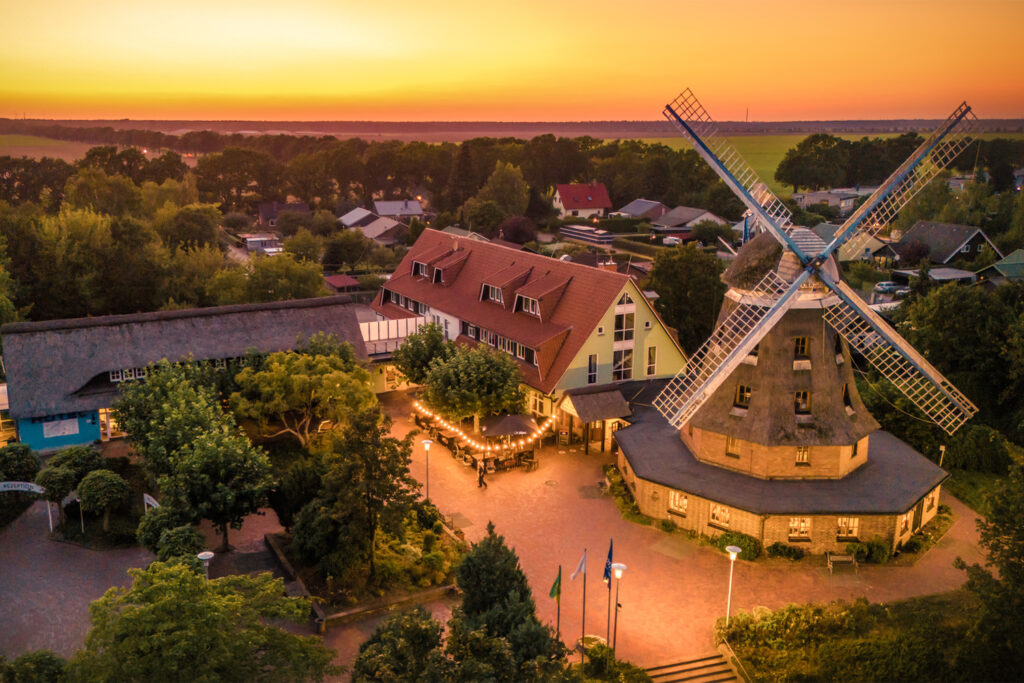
(46, 586)
(674, 588)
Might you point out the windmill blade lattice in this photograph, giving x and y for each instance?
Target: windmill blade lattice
(689, 116)
(935, 154)
(726, 348)
(919, 381)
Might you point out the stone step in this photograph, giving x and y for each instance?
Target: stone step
(711, 668)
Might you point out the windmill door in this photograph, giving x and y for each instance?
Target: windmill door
(918, 515)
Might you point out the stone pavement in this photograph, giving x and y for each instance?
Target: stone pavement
(674, 588)
(46, 586)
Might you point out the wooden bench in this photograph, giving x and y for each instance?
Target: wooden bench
(832, 559)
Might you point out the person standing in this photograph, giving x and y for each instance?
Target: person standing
(480, 470)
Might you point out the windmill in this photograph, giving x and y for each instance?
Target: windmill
(806, 262)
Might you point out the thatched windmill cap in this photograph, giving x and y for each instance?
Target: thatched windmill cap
(764, 253)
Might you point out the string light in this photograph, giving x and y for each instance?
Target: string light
(437, 420)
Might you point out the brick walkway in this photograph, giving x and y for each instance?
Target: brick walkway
(46, 586)
(674, 588)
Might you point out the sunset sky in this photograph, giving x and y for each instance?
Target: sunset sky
(521, 60)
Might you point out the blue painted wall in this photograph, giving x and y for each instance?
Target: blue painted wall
(30, 431)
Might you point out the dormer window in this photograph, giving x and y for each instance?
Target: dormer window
(419, 269)
(491, 293)
(437, 275)
(529, 305)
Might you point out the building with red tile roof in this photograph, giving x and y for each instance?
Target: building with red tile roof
(568, 326)
(585, 201)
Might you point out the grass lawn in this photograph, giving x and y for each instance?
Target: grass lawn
(37, 147)
(909, 640)
(972, 488)
(764, 152)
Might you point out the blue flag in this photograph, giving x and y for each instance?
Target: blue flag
(608, 566)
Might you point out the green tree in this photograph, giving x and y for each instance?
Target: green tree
(100, 490)
(346, 249)
(416, 228)
(190, 275)
(708, 232)
(174, 625)
(220, 476)
(295, 393)
(995, 641)
(81, 460)
(58, 482)
(113, 195)
(401, 649)
(414, 356)
(482, 215)
(174, 192)
(366, 477)
(18, 462)
(818, 161)
(304, 246)
(690, 292)
(290, 222)
(473, 382)
(506, 188)
(188, 227)
(155, 522)
(41, 666)
(281, 277)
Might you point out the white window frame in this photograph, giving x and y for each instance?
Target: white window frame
(652, 360)
(620, 372)
(592, 374)
(678, 503)
(799, 528)
(803, 455)
(116, 376)
(419, 269)
(624, 333)
(848, 528)
(721, 516)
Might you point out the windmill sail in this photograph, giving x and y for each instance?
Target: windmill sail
(690, 117)
(935, 154)
(726, 348)
(899, 362)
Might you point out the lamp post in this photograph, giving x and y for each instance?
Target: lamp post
(734, 552)
(426, 451)
(206, 556)
(617, 568)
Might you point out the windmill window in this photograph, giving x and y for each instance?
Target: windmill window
(624, 326)
(800, 528)
(853, 450)
(677, 503)
(803, 455)
(802, 402)
(800, 348)
(846, 398)
(732, 447)
(742, 399)
(849, 529)
(720, 516)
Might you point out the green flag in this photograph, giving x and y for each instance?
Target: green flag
(556, 587)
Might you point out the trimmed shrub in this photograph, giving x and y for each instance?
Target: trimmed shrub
(667, 525)
(80, 459)
(154, 523)
(912, 545)
(41, 666)
(18, 463)
(790, 552)
(180, 541)
(750, 546)
(875, 551)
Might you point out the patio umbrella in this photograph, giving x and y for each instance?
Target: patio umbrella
(508, 425)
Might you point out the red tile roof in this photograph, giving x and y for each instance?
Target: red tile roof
(593, 196)
(579, 295)
(341, 281)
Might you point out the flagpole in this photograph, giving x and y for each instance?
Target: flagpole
(558, 607)
(583, 628)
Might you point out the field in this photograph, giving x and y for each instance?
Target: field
(37, 148)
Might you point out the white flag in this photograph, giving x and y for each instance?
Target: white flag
(581, 567)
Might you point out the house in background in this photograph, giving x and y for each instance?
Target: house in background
(643, 208)
(268, 212)
(1018, 179)
(262, 242)
(944, 242)
(402, 210)
(462, 232)
(583, 201)
(679, 222)
(841, 200)
(568, 326)
(598, 259)
(341, 283)
(64, 375)
(1010, 267)
(587, 234)
(385, 231)
(357, 218)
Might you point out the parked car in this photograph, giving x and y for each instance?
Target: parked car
(887, 287)
(901, 292)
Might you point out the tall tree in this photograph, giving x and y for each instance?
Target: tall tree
(506, 188)
(281, 277)
(174, 625)
(294, 393)
(818, 161)
(474, 382)
(414, 356)
(219, 476)
(101, 490)
(690, 292)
